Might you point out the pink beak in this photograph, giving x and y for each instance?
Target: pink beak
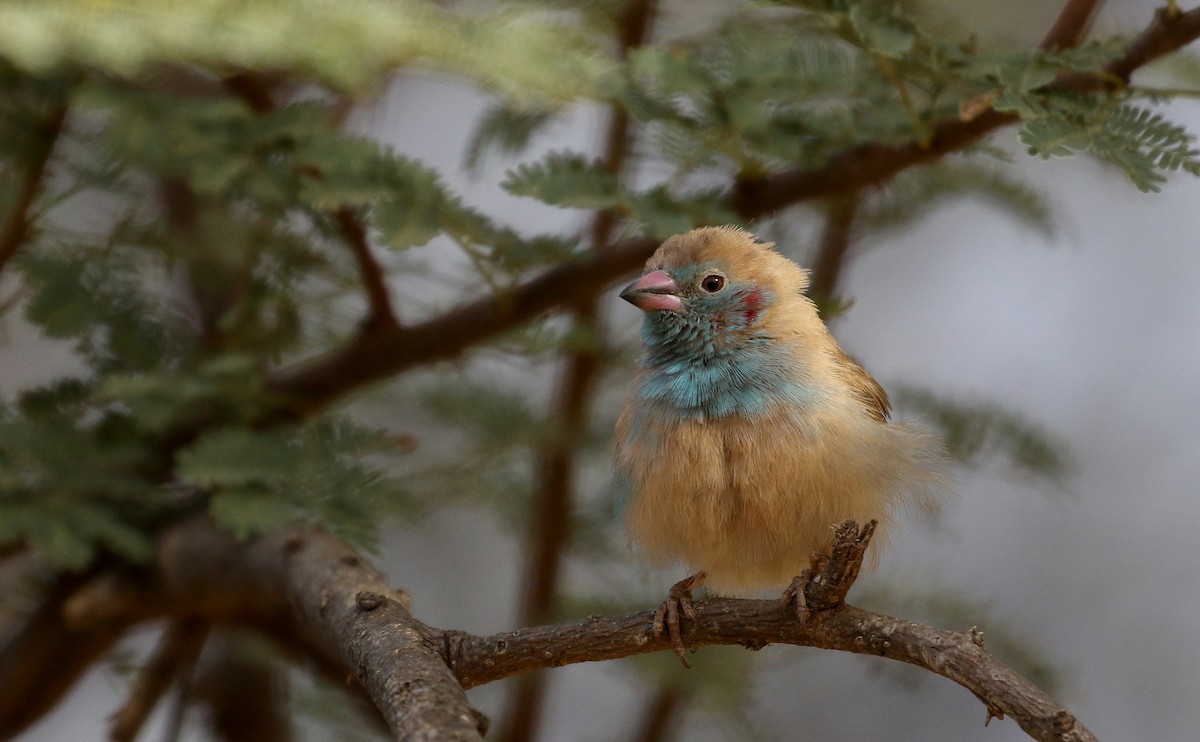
(655, 290)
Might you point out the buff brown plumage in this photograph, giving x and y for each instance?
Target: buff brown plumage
(749, 433)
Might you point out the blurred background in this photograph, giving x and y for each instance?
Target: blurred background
(1079, 327)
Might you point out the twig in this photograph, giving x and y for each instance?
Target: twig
(381, 313)
(1072, 22)
(1167, 33)
(757, 623)
(16, 229)
(835, 243)
(178, 648)
(180, 700)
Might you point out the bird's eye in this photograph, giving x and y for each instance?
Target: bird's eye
(713, 283)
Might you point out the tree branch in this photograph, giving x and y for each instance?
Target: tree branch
(379, 300)
(244, 696)
(416, 674)
(44, 659)
(16, 229)
(313, 585)
(830, 624)
(550, 526)
(1071, 24)
(871, 164)
(835, 243)
(756, 623)
(341, 602)
(373, 355)
(178, 648)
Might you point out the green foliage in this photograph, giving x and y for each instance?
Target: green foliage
(100, 305)
(348, 45)
(226, 183)
(507, 129)
(325, 473)
(1140, 142)
(570, 180)
(69, 477)
(565, 179)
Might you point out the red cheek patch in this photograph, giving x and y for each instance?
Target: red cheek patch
(752, 305)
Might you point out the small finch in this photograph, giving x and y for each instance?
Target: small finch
(750, 433)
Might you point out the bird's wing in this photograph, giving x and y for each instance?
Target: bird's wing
(866, 389)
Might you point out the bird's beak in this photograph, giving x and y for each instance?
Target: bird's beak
(655, 290)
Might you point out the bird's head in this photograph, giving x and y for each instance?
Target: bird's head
(715, 288)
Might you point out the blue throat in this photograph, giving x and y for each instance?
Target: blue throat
(689, 370)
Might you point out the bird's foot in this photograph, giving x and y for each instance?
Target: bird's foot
(793, 600)
(667, 616)
(824, 584)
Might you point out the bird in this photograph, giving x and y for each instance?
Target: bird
(749, 433)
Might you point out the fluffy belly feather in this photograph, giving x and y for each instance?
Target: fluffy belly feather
(748, 500)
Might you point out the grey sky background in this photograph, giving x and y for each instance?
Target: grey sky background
(1094, 334)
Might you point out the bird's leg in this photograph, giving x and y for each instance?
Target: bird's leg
(666, 617)
(793, 595)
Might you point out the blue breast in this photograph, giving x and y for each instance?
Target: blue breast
(701, 375)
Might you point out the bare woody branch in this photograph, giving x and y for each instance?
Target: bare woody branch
(301, 585)
(416, 673)
(341, 602)
(1071, 25)
(372, 355)
(829, 624)
(754, 624)
(379, 300)
(836, 239)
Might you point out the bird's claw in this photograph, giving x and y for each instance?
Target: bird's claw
(793, 600)
(667, 616)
